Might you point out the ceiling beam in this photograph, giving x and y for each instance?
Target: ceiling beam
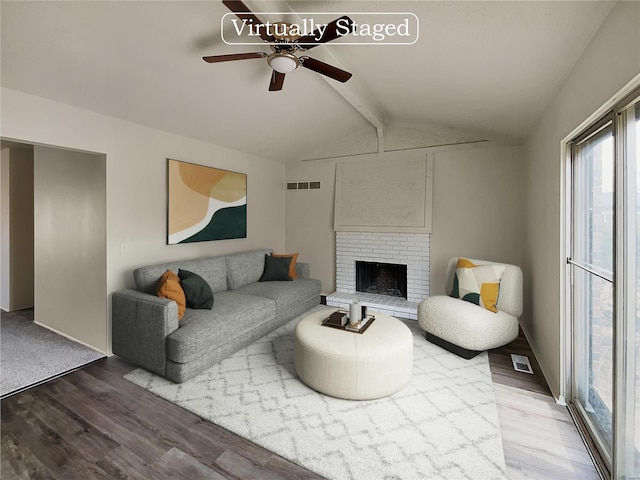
(352, 91)
(368, 109)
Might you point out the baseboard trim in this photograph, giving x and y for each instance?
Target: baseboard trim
(559, 399)
(69, 337)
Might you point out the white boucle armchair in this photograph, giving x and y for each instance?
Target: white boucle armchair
(467, 329)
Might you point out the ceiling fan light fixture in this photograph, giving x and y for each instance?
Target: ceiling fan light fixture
(285, 40)
(283, 62)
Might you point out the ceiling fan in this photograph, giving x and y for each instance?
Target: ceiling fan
(284, 45)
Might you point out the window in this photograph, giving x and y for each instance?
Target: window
(604, 293)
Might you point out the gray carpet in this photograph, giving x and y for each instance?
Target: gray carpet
(31, 354)
(443, 425)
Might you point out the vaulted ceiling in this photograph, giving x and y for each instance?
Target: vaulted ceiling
(479, 70)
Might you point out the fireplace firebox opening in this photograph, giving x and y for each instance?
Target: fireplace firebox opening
(381, 278)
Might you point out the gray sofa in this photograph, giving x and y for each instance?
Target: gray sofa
(146, 330)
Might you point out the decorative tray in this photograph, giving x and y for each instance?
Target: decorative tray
(340, 321)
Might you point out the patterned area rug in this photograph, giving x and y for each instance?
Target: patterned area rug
(442, 425)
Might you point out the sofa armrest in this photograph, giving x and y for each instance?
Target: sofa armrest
(303, 270)
(140, 324)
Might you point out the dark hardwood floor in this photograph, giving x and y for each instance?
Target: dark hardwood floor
(94, 424)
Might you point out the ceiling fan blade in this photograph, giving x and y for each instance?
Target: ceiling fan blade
(338, 28)
(325, 69)
(277, 80)
(233, 56)
(243, 13)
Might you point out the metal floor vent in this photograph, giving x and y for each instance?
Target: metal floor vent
(521, 363)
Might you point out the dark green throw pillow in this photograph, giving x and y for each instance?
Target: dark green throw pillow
(276, 269)
(196, 289)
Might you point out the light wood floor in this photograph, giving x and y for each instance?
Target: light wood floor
(94, 424)
(539, 438)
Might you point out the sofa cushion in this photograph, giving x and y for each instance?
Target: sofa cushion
(244, 268)
(212, 269)
(196, 289)
(292, 265)
(276, 269)
(169, 287)
(287, 295)
(232, 315)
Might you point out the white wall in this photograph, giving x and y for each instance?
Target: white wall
(610, 61)
(477, 209)
(21, 207)
(5, 230)
(70, 244)
(136, 180)
(16, 225)
(309, 220)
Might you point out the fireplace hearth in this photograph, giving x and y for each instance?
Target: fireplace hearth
(381, 278)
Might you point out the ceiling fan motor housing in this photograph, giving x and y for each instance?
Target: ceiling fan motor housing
(283, 62)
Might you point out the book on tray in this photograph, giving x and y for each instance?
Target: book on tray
(337, 318)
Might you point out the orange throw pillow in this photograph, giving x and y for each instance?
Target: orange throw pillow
(169, 287)
(292, 266)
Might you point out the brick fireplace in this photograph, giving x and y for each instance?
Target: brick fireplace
(381, 278)
(410, 249)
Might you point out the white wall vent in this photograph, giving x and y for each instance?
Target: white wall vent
(304, 185)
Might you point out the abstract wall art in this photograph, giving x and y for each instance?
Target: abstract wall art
(205, 203)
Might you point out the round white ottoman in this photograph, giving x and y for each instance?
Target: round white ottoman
(350, 365)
